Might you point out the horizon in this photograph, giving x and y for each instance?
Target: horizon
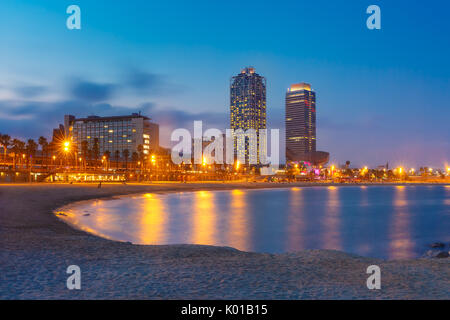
(382, 95)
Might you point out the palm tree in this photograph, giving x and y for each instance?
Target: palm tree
(31, 149)
(107, 155)
(5, 142)
(96, 151)
(140, 150)
(117, 156)
(84, 151)
(18, 147)
(44, 147)
(126, 154)
(134, 159)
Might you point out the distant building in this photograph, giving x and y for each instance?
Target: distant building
(116, 133)
(247, 109)
(301, 125)
(205, 143)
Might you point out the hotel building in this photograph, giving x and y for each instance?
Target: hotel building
(116, 133)
(300, 120)
(247, 111)
(301, 125)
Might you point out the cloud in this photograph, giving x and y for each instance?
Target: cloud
(133, 81)
(91, 91)
(142, 81)
(33, 119)
(30, 91)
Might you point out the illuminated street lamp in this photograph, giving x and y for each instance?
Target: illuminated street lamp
(204, 161)
(66, 146)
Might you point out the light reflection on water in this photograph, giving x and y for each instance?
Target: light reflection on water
(380, 221)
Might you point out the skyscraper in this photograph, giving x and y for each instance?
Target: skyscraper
(248, 111)
(301, 126)
(300, 121)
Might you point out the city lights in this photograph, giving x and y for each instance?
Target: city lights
(66, 146)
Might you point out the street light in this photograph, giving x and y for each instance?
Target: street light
(66, 146)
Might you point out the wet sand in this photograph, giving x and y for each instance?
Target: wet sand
(36, 248)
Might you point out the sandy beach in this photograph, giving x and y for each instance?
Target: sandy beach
(36, 248)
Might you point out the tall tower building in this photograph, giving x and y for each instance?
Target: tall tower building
(248, 111)
(300, 122)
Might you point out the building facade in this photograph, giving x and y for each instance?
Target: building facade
(117, 133)
(300, 121)
(247, 111)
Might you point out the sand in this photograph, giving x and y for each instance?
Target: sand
(36, 248)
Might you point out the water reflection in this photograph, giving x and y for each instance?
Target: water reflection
(204, 218)
(400, 244)
(238, 233)
(153, 220)
(385, 222)
(331, 221)
(296, 222)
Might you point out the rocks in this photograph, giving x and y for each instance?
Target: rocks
(436, 254)
(442, 254)
(437, 245)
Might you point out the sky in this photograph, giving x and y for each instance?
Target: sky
(382, 95)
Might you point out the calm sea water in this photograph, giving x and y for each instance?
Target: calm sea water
(392, 222)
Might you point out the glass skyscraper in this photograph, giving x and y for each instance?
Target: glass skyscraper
(300, 122)
(247, 111)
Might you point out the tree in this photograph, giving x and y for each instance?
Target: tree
(96, 150)
(44, 147)
(84, 151)
(134, 159)
(117, 156)
(140, 150)
(126, 154)
(18, 147)
(5, 142)
(107, 155)
(31, 149)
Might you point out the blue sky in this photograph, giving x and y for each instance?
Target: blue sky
(382, 95)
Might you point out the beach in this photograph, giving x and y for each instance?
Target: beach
(36, 248)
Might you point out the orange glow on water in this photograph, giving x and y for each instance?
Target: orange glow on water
(238, 232)
(297, 222)
(400, 244)
(153, 220)
(204, 218)
(332, 220)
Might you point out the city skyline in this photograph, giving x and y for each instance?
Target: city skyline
(379, 91)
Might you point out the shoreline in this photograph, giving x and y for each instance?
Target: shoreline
(33, 234)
